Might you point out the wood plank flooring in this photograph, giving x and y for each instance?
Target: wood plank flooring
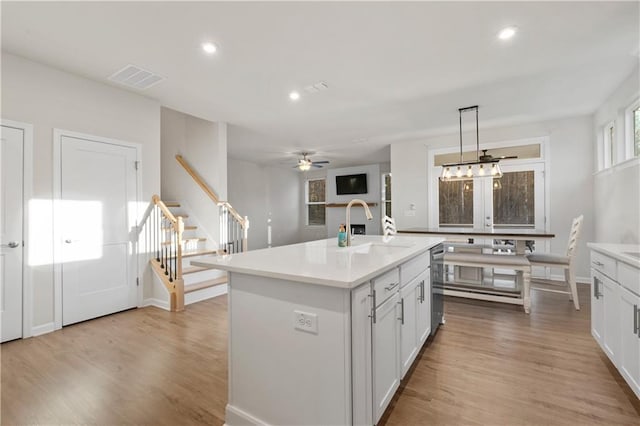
(490, 364)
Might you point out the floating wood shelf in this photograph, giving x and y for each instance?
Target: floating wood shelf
(345, 205)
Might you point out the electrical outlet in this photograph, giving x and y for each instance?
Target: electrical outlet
(409, 212)
(305, 321)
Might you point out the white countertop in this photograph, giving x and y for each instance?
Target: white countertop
(627, 253)
(322, 262)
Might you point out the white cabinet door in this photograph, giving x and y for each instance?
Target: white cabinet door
(629, 349)
(386, 354)
(409, 300)
(611, 329)
(597, 311)
(361, 322)
(423, 317)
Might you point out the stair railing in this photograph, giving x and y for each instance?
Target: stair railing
(233, 227)
(163, 243)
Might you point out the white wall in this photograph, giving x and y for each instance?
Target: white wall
(50, 98)
(203, 145)
(570, 174)
(617, 189)
(337, 215)
(263, 193)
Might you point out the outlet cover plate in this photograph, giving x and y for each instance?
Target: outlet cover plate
(305, 321)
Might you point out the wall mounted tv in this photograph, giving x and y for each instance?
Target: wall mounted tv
(351, 184)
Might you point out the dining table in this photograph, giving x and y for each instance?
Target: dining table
(469, 239)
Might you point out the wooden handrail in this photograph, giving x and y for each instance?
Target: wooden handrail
(158, 202)
(207, 190)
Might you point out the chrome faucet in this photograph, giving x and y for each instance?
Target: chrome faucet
(366, 211)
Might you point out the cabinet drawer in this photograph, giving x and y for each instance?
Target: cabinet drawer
(385, 285)
(412, 268)
(604, 264)
(629, 277)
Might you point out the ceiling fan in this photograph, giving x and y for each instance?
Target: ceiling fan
(305, 162)
(488, 157)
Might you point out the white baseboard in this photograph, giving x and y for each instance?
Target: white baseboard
(158, 303)
(235, 416)
(42, 329)
(205, 293)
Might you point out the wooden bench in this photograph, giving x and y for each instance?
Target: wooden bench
(483, 260)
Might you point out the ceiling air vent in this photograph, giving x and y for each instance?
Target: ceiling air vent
(136, 77)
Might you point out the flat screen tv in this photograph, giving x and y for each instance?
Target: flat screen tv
(351, 184)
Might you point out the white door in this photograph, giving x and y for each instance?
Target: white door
(423, 316)
(629, 356)
(409, 300)
(96, 218)
(597, 309)
(610, 308)
(386, 351)
(11, 187)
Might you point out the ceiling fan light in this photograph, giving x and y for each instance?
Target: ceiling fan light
(304, 165)
(469, 172)
(459, 172)
(481, 170)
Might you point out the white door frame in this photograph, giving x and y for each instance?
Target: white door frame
(57, 236)
(27, 191)
(433, 172)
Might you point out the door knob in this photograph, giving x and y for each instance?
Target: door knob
(12, 244)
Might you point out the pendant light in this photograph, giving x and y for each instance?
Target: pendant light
(466, 170)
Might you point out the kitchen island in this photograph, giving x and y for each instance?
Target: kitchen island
(321, 334)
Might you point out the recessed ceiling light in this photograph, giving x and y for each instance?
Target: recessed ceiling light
(209, 47)
(507, 33)
(294, 96)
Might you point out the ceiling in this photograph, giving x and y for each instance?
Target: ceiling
(395, 71)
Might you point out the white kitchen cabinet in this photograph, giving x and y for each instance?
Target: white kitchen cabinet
(629, 328)
(423, 314)
(615, 304)
(386, 354)
(409, 301)
(611, 326)
(597, 309)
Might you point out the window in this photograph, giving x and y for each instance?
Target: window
(456, 203)
(514, 199)
(315, 200)
(636, 132)
(632, 125)
(386, 193)
(609, 139)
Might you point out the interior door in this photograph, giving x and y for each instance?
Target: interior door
(97, 216)
(11, 217)
(514, 201)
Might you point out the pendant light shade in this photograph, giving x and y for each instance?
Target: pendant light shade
(465, 170)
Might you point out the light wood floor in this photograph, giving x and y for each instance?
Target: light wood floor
(490, 364)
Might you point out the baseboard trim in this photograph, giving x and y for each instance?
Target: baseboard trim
(158, 303)
(235, 416)
(205, 293)
(43, 329)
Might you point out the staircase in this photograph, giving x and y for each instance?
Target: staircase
(171, 242)
(199, 283)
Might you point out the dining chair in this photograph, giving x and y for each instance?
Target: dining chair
(388, 226)
(562, 261)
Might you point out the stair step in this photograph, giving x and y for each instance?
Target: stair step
(187, 240)
(186, 228)
(194, 253)
(193, 269)
(205, 284)
(172, 203)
